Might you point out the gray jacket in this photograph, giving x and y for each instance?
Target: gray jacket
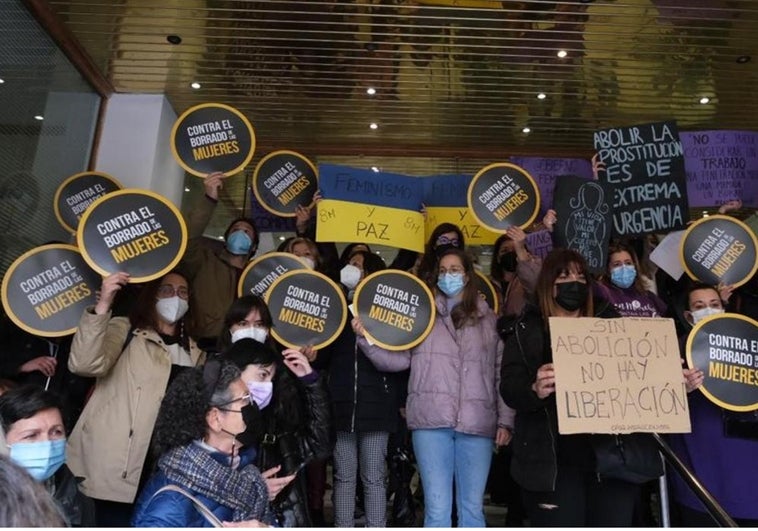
(455, 375)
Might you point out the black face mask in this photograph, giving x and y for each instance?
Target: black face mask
(508, 261)
(571, 295)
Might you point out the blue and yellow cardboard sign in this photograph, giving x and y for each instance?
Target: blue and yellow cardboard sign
(445, 202)
(364, 206)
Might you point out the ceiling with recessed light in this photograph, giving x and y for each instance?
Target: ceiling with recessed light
(449, 84)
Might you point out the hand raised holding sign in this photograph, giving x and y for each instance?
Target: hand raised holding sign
(213, 183)
(544, 385)
(44, 364)
(297, 362)
(597, 166)
(693, 378)
(112, 284)
(550, 219)
(357, 325)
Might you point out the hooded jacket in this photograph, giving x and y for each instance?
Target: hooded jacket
(454, 375)
(110, 441)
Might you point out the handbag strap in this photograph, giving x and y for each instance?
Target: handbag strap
(201, 508)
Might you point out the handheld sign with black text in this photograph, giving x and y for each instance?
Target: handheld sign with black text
(503, 195)
(644, 164)
(719, 249)
(283, 181)
(77, 193)
(133, 231)
(725, 348)
(259, 274)
(618, 375)
(46, 290)
(307, 308)
(212, 137)
(396, 308)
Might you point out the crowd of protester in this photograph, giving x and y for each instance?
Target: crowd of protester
(173, 406)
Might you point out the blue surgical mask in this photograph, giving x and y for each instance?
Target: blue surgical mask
(261, 392)
(41, 459)
(239, 242)
(450, 284)
(623, 276)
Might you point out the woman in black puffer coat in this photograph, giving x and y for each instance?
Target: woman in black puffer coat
(365, 403)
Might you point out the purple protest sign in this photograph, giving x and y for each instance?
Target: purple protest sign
(545, 170)
(539, 243)
(721, 166)
(267, 221)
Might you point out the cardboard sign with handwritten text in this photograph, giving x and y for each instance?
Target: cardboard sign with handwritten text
(618, 376)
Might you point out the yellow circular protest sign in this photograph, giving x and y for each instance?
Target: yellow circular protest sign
(134, 231)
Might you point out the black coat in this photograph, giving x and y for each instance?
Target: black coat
(295, 432)
(77, 509)
(364, 399)
(535, 435)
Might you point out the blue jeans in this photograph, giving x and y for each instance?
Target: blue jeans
(444, 454)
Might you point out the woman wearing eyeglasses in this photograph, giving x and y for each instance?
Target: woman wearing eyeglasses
(203, 477)
(133, 360)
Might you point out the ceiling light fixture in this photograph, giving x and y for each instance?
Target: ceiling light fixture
(39, 117)
(704, 100)
(186, 189)
(562, 53)
(373, 125)
(526, 130)
(371, 91)
(174, 39)
(742, 59)
(195, 85)
(2, 81)
(541, 96)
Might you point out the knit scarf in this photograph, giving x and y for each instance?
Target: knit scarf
(242, 490)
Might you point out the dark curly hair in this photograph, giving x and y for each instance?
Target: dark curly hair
(190, 396)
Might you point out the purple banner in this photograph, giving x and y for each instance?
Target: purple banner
(721, 166)
(545, 170)
(539, 243)
(265, 220)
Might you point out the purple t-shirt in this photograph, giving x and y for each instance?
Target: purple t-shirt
(630, 302)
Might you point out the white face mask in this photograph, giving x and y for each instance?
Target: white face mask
(171, 309)
(308, 261)
(250, 332)
(350, 276)
(702, 313)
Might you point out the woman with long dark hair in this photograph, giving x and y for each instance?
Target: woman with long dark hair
(557, 473)
(295, 424)
(453, 406)
(133, 360)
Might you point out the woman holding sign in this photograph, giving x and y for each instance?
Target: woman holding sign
(453, 406)
(721, 450)
(133, 360)
(365, 404)
(556, 472)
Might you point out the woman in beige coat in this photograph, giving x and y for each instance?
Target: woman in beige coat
(133, 360)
